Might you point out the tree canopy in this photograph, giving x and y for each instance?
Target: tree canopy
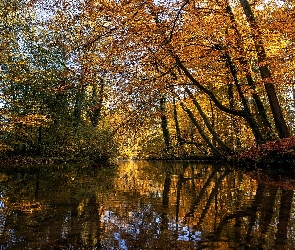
(94, 79)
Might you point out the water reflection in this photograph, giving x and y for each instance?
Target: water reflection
(140, 205)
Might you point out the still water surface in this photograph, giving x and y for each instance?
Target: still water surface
(141, 205)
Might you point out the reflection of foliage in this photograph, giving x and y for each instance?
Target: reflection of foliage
(45, 200)
(144, 205)
(26, 207)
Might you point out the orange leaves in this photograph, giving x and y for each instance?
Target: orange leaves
(133, 45)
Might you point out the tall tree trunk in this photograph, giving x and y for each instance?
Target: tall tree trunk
(265, 73)
(207, 122)
(177, 128)
(201, 131)
(261, 111)
(164, 123)
(234, 124)
(96, 104)
(78, 107)
(249, 117)
(212, 120)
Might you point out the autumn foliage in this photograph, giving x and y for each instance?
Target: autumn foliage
(171, 79)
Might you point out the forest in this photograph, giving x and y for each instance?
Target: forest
(130, 79)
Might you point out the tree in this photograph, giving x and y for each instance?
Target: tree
(44, 99)
(150, 64)
(265, 72)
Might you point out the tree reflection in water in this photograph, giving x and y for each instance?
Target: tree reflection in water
(141, 205)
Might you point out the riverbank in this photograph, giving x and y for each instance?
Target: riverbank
(274, 154)
(209, 158)
(30, 160)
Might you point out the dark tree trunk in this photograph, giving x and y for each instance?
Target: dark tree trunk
(177, 128)
(96, 104)
(265, 73)
(249, 117)
(212, 120)
(201, 131)
(164, 123)
(261, 111)
(234, 124)
(78, 108)
(242, 113)
(207, 122)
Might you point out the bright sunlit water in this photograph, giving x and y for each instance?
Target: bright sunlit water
(144, 205)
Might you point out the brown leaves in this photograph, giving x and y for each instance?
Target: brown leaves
(272, 152)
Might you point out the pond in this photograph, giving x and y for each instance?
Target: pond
(144, 205)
